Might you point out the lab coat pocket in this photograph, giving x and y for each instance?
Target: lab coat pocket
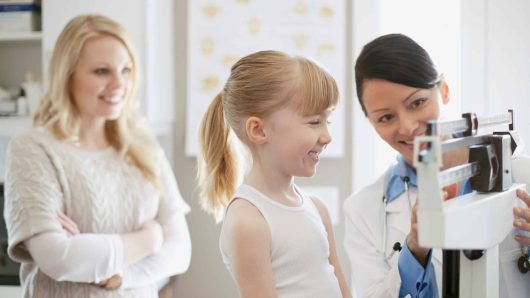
(513, 283)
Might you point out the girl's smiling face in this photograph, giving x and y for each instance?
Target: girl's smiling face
(295, 141)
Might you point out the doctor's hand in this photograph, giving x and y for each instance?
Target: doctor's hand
(454, 158)
(522, 217)
(420, 253)
(451, 191)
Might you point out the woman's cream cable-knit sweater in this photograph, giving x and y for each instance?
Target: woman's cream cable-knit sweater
(105, 196)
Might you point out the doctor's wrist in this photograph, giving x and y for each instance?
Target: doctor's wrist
(420, 253)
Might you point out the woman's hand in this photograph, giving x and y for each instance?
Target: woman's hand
(451, 191)
(154, 234)
(142, 243)
(420, 253)
(454, 158)
(112, 283)
(522, 217)
(69, 226)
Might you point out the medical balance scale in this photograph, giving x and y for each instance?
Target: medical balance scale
(468, 228)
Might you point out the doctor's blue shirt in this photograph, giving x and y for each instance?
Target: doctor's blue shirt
(415, 279)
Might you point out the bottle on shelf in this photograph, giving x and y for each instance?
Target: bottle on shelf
(32, 90)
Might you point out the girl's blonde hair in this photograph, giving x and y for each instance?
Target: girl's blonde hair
(58, 113)
(259, 84)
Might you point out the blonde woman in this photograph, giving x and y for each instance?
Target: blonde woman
(92, 206)
(276, 241)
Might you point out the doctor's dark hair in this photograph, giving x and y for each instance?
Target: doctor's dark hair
(259, 85)
(395, 58)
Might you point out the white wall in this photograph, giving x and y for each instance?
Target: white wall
(496, 60)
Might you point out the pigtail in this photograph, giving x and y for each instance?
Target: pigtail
(217, 162)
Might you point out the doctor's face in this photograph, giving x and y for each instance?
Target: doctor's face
(399, 112)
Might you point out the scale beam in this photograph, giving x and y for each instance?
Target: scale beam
(478, 221)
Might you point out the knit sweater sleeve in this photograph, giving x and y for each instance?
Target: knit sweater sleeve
(33, 193)
(175, 254)
(35, 190)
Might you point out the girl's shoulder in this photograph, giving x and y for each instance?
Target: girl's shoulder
(243, 223)
(243, 208)
(242, 211)
(246, 213)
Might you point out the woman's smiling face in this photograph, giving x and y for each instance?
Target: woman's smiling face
(102, 79)
(399, 112)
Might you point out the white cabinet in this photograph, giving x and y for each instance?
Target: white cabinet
(10, 291)
(20, 53)
(150, 23)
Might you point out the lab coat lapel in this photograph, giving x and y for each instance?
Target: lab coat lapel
(437, 254)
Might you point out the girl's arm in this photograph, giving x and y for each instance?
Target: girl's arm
(333, 258)
(246, 241)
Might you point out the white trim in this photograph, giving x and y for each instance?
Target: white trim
(10, 126)
(20, 36)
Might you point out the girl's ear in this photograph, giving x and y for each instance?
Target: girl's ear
(444, 89)
(255, 130)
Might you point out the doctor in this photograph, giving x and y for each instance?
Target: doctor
(399, 90)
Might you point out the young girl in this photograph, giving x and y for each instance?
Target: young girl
(276, 241)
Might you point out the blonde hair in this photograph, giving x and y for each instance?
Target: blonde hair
(58, 113)
(259, 84)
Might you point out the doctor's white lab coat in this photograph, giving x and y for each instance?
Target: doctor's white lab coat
(373, 276)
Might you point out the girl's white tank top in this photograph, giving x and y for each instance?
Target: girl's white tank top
(299, 246)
